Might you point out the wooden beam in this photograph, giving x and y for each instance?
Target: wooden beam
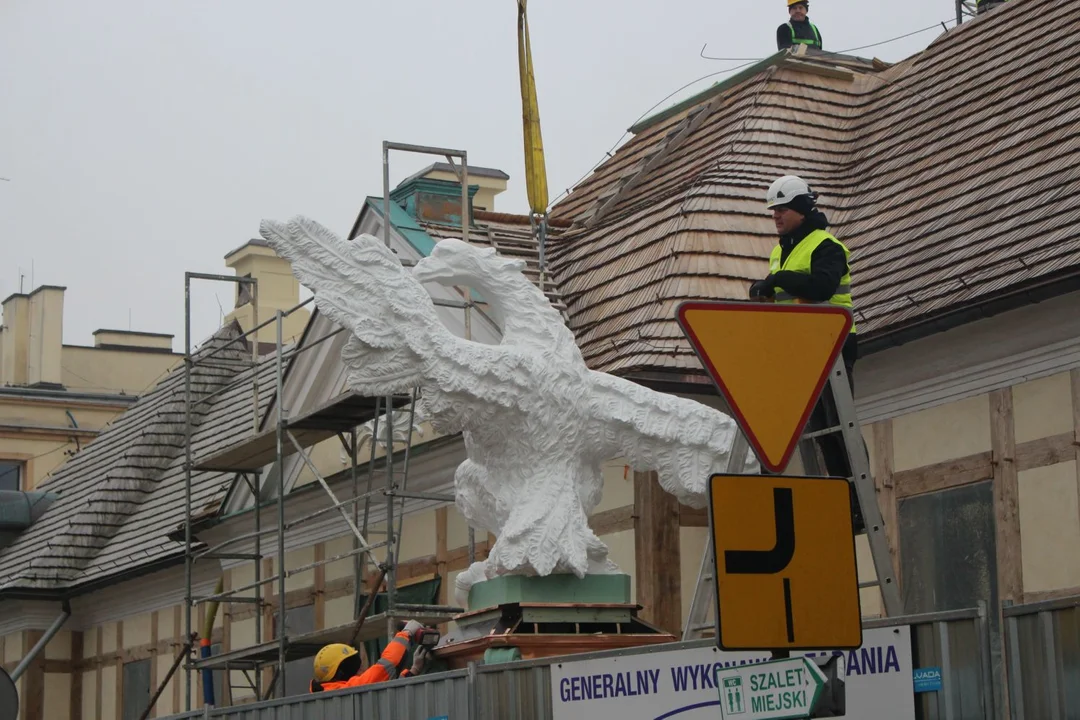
(882, 438)
(441, 550)
(1042, 595)
(1075, 383)
(656, 549)
(979, 467)
(119, 690)
(943, 475)
(693, 517)
(1045, 451)
(154, 639)
(1006, 496)
(32, 698)
(612, 521)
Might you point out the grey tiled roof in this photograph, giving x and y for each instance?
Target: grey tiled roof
(121, 496)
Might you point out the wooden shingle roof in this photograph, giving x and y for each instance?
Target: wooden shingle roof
(949, 176)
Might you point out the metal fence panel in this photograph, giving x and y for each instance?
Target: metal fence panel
(955, 641)
(1044, 659)
(523, 693)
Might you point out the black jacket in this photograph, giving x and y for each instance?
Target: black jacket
(828, 263)
(803, 31)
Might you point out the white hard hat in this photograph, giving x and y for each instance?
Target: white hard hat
(786, 189)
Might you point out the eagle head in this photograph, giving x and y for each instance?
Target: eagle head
(454, 262)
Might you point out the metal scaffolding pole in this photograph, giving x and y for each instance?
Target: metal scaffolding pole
(281, 420)
(396, 470)
(189, 366)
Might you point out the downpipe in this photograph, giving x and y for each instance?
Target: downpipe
(40, 645)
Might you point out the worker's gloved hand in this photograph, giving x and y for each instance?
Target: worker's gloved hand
(413, 628)
(420, 660)
(763, 288)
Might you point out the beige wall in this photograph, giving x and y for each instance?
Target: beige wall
(484, 199)
(921, 445)
(131, 372)
(954, 443)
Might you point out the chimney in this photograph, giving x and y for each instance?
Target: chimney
(127, 339)
(434, 193)
(46, 336)
(14, 339)
(278, 289)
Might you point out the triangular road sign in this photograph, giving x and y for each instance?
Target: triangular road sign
(770, 362)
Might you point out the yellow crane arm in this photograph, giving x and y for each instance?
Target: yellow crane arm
(535, 172)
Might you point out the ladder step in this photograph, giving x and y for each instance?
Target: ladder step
(869, 584)
(822, 433)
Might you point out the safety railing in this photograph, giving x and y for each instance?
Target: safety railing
(1043, 643)
(954, 642)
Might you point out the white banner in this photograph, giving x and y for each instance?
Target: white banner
(681, 684)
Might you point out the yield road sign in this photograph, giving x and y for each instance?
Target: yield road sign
(773, 690)
(785, 563)
(770, 363)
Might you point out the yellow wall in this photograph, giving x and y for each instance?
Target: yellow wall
(1049, 517)
(484, 199)
(942, 433)
(1048, 497)
(130, 372)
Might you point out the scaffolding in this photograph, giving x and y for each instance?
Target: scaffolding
(275, 436)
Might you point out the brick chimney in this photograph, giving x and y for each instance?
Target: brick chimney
(32, 337)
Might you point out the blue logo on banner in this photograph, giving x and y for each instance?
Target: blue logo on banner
(927, 679)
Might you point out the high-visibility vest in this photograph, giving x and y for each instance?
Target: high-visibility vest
(798, 260)
(804, 41)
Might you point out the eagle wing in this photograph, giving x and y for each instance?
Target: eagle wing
(398, 341)
(683, 440)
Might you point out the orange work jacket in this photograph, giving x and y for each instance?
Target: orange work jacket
(385, 668)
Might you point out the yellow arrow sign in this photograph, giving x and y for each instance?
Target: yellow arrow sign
(770, 362)
(785, 563)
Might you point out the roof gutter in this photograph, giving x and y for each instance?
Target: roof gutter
(66, 594)
(1032, 295)
(65, 613)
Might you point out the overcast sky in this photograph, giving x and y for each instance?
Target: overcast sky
(143, 139)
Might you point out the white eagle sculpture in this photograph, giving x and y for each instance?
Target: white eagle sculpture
(537, 423)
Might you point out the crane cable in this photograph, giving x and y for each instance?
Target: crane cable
(535, 171)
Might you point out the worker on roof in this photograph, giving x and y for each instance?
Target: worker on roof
(798, 30)
(337, 665)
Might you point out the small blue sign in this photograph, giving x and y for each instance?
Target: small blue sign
(927, 679)
(441, 717)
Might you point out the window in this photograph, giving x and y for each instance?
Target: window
(136, 689)
(10, 475)
(298, 620)
(948, 550)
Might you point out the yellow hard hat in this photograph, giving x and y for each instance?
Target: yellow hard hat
(796, 2)
(329, 658)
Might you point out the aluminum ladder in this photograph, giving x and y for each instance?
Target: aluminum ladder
(698, 623)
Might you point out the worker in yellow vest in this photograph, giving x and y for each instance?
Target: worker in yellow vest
(809, 265)
(798, 30)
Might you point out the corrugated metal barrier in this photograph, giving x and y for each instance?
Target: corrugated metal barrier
(1043, 641)
(955, 641)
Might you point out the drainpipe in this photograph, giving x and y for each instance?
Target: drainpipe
(55, 628)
